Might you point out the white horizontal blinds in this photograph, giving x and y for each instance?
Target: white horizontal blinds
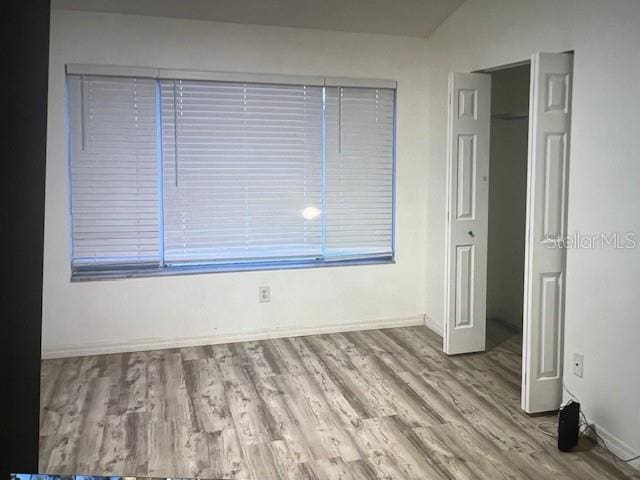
(114, 171)
(242, 170)
(359, 171)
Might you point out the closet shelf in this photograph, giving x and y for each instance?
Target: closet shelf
(511, 115)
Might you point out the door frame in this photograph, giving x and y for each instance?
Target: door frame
(526, 327)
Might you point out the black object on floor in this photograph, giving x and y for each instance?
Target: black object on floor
(569, 426)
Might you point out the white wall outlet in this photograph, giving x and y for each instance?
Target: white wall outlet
(578, 364)
(264, 294)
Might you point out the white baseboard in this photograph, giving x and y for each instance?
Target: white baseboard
(431, 324)
(617, 446)
(139, 345)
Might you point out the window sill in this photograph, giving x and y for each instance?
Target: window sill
(120, 273)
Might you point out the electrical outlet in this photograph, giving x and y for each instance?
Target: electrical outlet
(264, 294)
(578, 364)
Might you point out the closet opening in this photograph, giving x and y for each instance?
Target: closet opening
(508, 140)
(508, 157)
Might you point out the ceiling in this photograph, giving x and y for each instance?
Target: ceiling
(415, 18)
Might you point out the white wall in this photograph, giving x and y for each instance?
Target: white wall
(602, 301)
(152, 312)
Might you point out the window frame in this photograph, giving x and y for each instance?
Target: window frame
(141, 270)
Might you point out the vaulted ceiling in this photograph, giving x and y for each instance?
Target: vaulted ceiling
(415, 18)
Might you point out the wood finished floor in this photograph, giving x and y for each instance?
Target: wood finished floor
(363, 405)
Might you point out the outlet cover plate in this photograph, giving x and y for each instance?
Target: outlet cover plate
(578, 364)
(264, 294)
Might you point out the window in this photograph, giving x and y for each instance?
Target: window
(359, 171)
(241, 162)
(115, 195)
(178, 173)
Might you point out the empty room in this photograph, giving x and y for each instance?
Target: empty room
(334, 239)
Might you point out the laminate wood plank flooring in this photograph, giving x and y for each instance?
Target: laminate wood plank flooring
(379, 404)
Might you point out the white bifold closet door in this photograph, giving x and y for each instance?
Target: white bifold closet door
(467, 212)
(549, 128)
(546, 220)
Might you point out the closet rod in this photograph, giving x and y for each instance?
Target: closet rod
(511, 116)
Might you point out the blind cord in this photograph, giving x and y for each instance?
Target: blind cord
(175, 133)
(82, 114)
(340, 92)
